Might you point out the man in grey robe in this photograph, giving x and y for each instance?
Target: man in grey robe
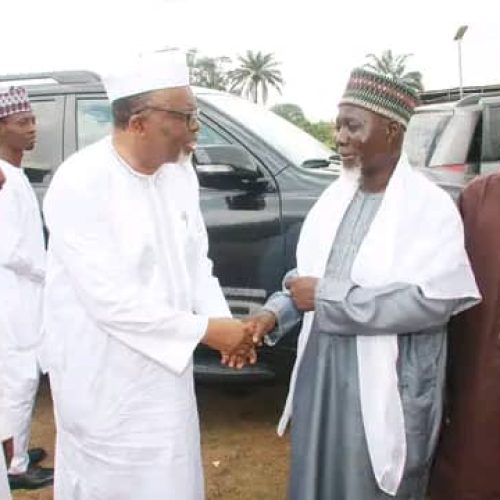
(330, 454)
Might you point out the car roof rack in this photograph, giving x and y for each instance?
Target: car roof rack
(61, 77)
(475, 98)
(453, 94)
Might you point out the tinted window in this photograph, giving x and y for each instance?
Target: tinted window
(474, 154)
(207, 136)
(492, 140)
(292, 142)
(47, 154)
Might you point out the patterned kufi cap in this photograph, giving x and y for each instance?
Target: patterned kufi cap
(13, 100)
(381, 94)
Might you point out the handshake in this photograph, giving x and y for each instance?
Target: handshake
(236, 339)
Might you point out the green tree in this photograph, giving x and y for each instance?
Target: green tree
(290, 112)
(209, 72)
(255, 74)
(394, 66)
(322, 130)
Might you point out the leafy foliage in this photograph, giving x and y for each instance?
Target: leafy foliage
(394, 66)
(256, 73)
(322, 130)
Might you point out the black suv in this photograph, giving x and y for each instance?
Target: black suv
(454, 142)
(258, 175)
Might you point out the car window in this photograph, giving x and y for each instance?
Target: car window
(474, 154)
(460, 133)
(47, 154)
(208, 136)
(93, 121)
(292, 142)
(423, 134)
(491, 151)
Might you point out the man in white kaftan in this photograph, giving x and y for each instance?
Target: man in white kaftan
(129, 295)
(6, 430)
(22, 268)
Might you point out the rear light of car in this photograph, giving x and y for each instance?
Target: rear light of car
(453, 167)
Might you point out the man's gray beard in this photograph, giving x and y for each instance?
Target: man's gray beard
(184, 158)
(353, 173)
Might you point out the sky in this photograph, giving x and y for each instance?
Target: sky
(317, 42)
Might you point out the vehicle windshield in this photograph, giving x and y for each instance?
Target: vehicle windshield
(424, 130)
(292, 142)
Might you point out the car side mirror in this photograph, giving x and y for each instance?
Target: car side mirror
(223, 161)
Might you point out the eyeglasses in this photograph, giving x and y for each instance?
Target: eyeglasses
(191, 116)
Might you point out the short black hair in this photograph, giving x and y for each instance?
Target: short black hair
(122, 109)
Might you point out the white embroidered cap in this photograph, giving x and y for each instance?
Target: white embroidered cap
(151, 71)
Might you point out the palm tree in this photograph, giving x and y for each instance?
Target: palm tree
(256, 73)
(394, 66)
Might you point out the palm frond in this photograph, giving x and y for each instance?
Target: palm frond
(394, 66)
(256, 73)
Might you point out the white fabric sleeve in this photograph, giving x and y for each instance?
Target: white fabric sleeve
(6, 425)
(14, 251)
(4, 484)
(209, 299)
(81, 238)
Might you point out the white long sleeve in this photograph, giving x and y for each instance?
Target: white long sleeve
(209, 299)
(21, 250)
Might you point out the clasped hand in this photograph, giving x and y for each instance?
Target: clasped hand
(256, 326)
(237, 339)
(233, 339)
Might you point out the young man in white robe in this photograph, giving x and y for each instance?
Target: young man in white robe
(381, 267)
(130, 294)
(6, 431)
(22, 268)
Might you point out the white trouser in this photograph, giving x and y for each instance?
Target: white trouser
(22, 377)
(4, 484)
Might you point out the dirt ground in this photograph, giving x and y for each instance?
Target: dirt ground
(243, 458)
